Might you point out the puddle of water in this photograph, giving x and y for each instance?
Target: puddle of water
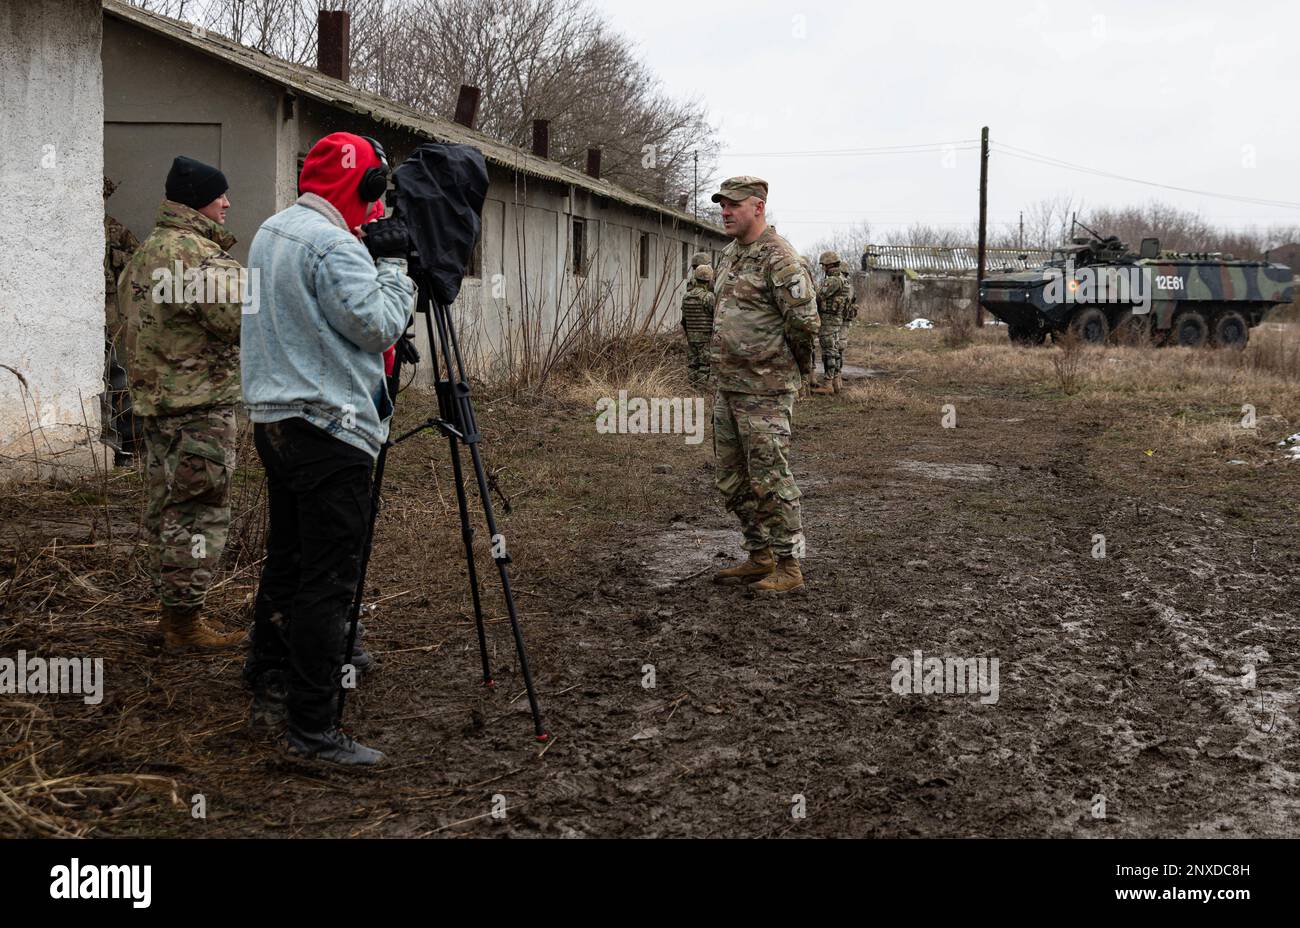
(670, 557)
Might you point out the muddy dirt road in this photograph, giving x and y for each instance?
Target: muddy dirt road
(1147, 692)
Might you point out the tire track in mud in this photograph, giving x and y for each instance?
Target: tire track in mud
(975, 542)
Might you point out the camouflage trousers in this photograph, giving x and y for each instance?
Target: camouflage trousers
(190, 459)
(832, 343)
(751, 447)
(697, 357)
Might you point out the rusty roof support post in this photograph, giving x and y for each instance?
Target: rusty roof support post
(542, 138)
(593, 162)
(333, 43)
(984, 221)
(467, 106)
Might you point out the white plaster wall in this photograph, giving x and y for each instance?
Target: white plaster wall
(52, 236)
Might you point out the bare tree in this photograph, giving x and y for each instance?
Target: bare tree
(557, 60)
(544, 59)
(848, 242)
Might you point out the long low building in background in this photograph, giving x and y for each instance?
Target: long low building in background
(98, 87)
(563, 254)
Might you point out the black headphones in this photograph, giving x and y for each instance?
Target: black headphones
(375, 181)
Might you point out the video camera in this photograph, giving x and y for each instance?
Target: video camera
(437, 206)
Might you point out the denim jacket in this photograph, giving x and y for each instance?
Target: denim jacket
(311, 344)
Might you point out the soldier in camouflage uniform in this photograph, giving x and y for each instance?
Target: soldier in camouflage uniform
(119, 427)
(764, 326)
(697, 321)
(850, 304)
(834, 302)
(182, 345)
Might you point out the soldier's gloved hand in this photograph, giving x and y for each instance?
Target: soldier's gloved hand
(386, 238)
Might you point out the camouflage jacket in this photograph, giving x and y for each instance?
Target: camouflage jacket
(119, 245)
(835, 298)
(697, 310)
(182, 335)
(766, 317)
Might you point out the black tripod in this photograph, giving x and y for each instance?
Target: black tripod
(455, 420)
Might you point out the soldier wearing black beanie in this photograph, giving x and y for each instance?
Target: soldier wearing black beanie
(194, 183)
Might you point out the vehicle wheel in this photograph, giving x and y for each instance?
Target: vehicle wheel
(1131, 329)
(1231, 330)
(1090, 325)
(1190, 330)
(1027, 335)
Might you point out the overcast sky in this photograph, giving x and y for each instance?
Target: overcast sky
(1199, 95)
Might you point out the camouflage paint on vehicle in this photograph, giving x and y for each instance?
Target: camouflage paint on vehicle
(1253, 287)
(1212, 284)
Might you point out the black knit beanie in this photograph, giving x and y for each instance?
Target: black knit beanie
(194, 183)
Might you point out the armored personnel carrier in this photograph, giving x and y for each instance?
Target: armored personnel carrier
(1101, 291)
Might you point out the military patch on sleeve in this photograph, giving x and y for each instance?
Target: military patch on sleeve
(788, 274)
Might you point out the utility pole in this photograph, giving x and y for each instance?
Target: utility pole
(1022, 230)
(696, 198)
(984, 211)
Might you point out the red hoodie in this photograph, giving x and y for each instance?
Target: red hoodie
(333, 169)
(377, 212)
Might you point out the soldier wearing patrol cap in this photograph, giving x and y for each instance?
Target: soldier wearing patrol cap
(764, 325)
(834, 303)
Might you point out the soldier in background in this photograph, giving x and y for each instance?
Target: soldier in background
(834, 301)
(183, 359)
(850, 304)
(764, 325)
(701, 259)
(120, 430)
(697, 321)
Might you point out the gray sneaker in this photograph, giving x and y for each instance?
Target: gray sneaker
(332, 746)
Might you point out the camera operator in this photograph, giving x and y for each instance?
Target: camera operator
(313, 376)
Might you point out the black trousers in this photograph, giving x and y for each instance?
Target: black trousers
(319, 501)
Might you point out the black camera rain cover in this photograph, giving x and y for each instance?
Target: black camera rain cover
(440, 193)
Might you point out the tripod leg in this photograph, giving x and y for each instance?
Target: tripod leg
(447, 411)
(457, 398)
(505, 587)
(467, 534)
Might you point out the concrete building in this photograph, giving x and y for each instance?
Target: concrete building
(52, 237)
(933, 281)
(563, 254)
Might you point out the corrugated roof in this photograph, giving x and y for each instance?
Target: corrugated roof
(312, 83)
(939, 259)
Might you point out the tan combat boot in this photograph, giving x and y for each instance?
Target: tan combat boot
(838, 383)
(826, 386)
(184, 630)
(785, 578)
(760, 564)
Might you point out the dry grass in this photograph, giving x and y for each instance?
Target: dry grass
(1070, 364)
(958, 330)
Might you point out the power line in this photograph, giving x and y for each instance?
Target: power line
(1027, 155)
